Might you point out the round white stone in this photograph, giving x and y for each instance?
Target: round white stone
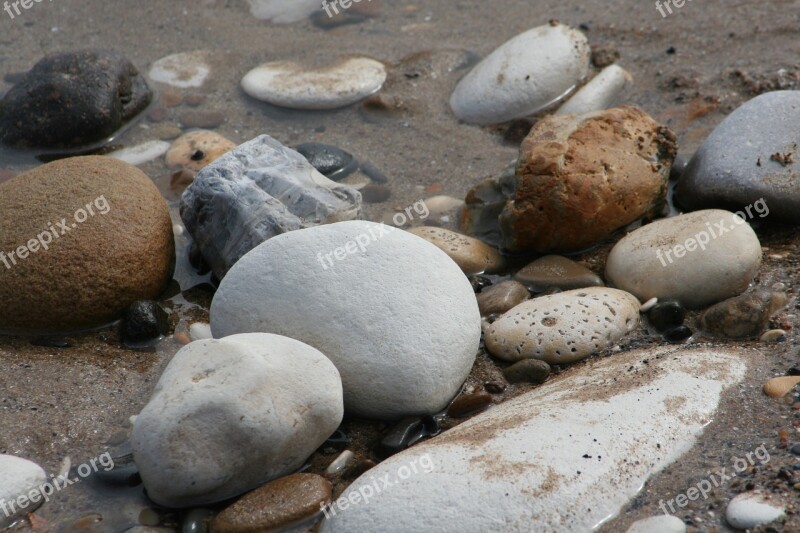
(184, 70)
(393, 312)
(599, 93)
(288, 84)
(526, 74)
(658, 524)
(750, 510)
(18, 477)
(666, 260)
(229, 415)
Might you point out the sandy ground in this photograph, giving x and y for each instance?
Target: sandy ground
(76, 401)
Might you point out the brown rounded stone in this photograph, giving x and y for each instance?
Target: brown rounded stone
(498, 299)
(744, 316)
(559, 272)
(197, 149)
(284, 502)
(89, 236)
(471, 255)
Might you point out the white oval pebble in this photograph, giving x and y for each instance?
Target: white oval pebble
(141, 153)
(17, 478)
(658, 524)
(751, 509)
(199, 331)
(526, 74)
(188, 69)
(599, 93)
(648, 305)
(288, 84)
(338, 464)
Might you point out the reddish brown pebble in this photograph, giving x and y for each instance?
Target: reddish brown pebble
(468, 404)
(356, 468)
(494, 387)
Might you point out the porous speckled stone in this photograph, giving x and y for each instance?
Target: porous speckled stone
(471, 255)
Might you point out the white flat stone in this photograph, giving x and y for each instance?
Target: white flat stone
(600, 93)
(658, 524)
(141, 153)
(183, 70)
(564, 457)
(752, 509)
(528, 73)
(289, 84)
(18, 477)
(283, 11)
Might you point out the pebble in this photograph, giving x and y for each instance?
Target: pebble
(340, 463)
(288, 84)
(479, 283)
(183, 70)
(166, 132)
(744, 316)
(256, 191)
(108, 272)
(471, 255)
(579, 179)
(18, 477)
(666, 315)
(200, 331)
(605, 420)
(260, 429)
(524, 75)
(443, 208)
(276, 506)
(781, 386)
(142, 153)
(662, 259)
(469, 404)
(752, 509)
(773, 336)
(557, 271)
(197, 149)
(648, 305)
(144, 321)
(564, 327)
(601, 92)
(735, 165)
(72, 99)
(678, 334)
(527, 371)
(202, 119)
(282, 12)
(502, 297)
(375, 193)
(356, 300)
(407, 432)
(658, 524)
(170, 99)
(197, 521)
(334, 163)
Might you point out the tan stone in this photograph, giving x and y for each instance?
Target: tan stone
(197, 149)
(471, 255)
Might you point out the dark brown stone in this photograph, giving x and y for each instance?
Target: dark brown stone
(742, 317)
(468, 404)
(557, 271)
(502, 297)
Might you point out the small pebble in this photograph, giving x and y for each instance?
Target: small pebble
(141, 153)
(502, 297)
(648, 305)
(373, 173)
(182, 70)
(527, 371)
(773, 336)
(199, 331)
(196, 149)
(666, 315)
(795, 449)
(479, 283)
(375, 193)
(405, 433)
(144, 321)
(677, 335)
(471, 255)
(557, 271)
(494, 387)
(171, 99)
(752, 509)
(197, 521)
(780, 387)
(442, 208)
(743, 316)
(333, 162)
(340, 463)
(468, 404)
(658, 524)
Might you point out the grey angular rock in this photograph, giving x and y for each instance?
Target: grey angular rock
(259, 190)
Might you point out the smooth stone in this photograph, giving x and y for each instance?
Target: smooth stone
(678, 334)
(734, 167)
(355, 304)
(183, 70)
(277, 505)
(197, 521)
(141, 153)
(18, 477)
(773, 336)
(256, 191)
(565, 327)
(633, 414)
(340, 463)
(107, 271)
(601, 92)
(197, 149)
(666, 315)
(229, 414)
(471, 255)
(375, 193)
(166, 132)
(557, 271)
(781, 386)
(73, 99)
(527, 371)
(524, 75)
(282, 12)
(479, 283)
(199, 331)
(202, 119)
(658, 524)
(442, 208)
(648, 305)
(407, 432)
(334, 163)
(288, 84)
(752, 509)
(742, 317)
(640, 265)
(468, 404)
(500, 298)
(144, 321)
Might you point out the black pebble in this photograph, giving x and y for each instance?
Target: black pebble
(144, 321)
(329, 160)
(677, 335)
(479, 283)
(406, 433)
(666, 315)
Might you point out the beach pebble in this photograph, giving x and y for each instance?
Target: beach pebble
(334, 163)
(781, 386)
(750, 161)
(742, 317)
(612, 423)
(499, 298)
(471, 255)
(91, 256)
(666, 315)
(559, 272)
(752, 509)
(468, 404)
(396, 292)
(648, 305)
(375, 193)
(658, 524)
(141, 153)
(527, 371)
(773, 336)
(677, 258)
(144, 321)
(600, 93)
(282, 12)
(407, 432)
(197, 149)
(229, 414)
(524, 75)
(288, 84)
(18, 477)
(283, 503)
(443, 208)
(564, 327)
(72, 99)
(199, 331)
(677, 334)
(183, 70)
(340, 463)
(579, 179)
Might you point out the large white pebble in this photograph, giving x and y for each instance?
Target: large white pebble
(229, 415)
(599, 93)
(288, 84)
(183, 70)
(699, 259)
(17, 478)
(565, 327)
(752, 509)
(393, 312)
(664, 523)
(526, 74)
